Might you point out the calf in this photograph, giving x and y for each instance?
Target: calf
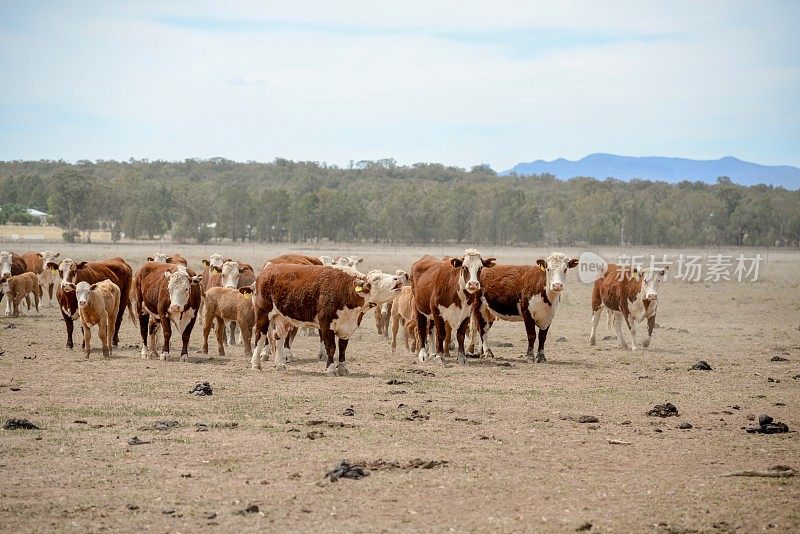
(212, 272)
(630, 295)
(161, 257)
(20, 287)
(236, 274)
(166, 295)
(228, 304)
(445, 292)
(383, 313)
(71, 272)
(404, 311)
(11, 264)
(527, 293)
(36, 262)
(98, 304)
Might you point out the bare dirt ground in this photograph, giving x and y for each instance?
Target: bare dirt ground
(516, 457)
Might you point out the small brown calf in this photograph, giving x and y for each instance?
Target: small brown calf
(228, 304)
(20, 287)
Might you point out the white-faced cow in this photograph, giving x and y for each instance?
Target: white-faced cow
(235, 275)
(527, 293)
(98, 304)
(20, 287)
(445, 292)
(162, 257)
(212, 271)
(71, 272)
(383, 313)
(629, 294)
(166, 296)
(36, 262)
(11, 264)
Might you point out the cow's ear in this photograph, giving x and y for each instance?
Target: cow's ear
(456, 262)
(359, 260)
(242, 269)
(206, 263)
(150, 258)
(542, 264)
(227, 260)
(572, 263)
(82, 264)
(39, 254)
(169, 259)
(69, 287)
(489, 262)
(52, 265)
(246, 290)
(93, 287)
(167, 274)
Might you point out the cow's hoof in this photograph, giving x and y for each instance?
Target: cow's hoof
(438, 357)
(487, 353)
(87, 355)
(288, 355)
(462, 358)
(341, 369)
(645, 343)
(164, 357)
(331, 370)
(280, 367)
(423, 355)
(624, 346)
(592, 342)
(540, 357)
(144, 352)
(184, 357)
(255, 363)
(634, 348)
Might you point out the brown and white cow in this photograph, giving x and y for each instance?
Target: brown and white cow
(72, 272)
(11, 264)
(36, 262)
(629, 294)
(235, 275)
(162, 257)
(404, 313)
(98, 304)
(330, 299)
(383, 313)
(166, 296)
(21, 287)
(527, 293)
(228, 304)
(445, 292)
(212, 272)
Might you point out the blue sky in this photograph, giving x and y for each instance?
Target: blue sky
(457, 83)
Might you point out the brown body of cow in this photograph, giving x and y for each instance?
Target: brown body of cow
(226, 304)
(326, 298)
(20, 287)
(445, 292)
(247, 278)
(12, 265)
(404, 313)
(295, 259)
(34, 262)
(114, 269)
(152, 298)
(101, 309)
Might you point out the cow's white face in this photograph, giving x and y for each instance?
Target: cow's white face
(159, 257)
(48, 256)
(82, 292)
(385, 287)
(230, 274)
(68, 272)
(214, 263)
(471, 265)
(404, 275)
(346, 261)
(556, 266)
(179, 288)
(651, 279)
(5, 265)
(326, 260)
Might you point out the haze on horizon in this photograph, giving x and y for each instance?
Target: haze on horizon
(497, 83)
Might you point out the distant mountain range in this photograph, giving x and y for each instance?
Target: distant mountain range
(671, 170)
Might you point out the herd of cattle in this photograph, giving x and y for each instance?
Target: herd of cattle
(437, 297)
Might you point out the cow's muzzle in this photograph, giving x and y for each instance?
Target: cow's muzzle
(174, 308)
(557, 286)
(82, 303)
(652, 296)
(472, 287)
(6, 275)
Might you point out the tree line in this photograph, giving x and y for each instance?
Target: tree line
(382, 202)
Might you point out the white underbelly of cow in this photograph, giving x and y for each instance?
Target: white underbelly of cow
(346, 322)
(181, 319)
(542, 312)
(454, 315)
(275, 314)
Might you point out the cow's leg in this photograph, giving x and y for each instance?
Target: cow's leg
(530, 330)
(460, 335)
(152, 337)
(220, 335)
(448, 338)
(87, 339)
(483, 326)
(422, 329)
(262, 331)
(232, 333)
(540, 352)
(109, 336)
(651, 324)
(50, 293)
(322, 353)
(166, 326)
(287, 344)
(631, 322)
(329, 338)
(596, 314)
(341, 369)
(103, 333)
(186, 335)
(617, 318)
(247, 335)
(123, 303)
(441, 335)
(395, 326)
(144, 321)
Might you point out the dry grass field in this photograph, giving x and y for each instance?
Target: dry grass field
(515, 458)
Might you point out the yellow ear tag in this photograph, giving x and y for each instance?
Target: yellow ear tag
(359, 289)
(246, 296)
(635, 275)
(542, 268)
(54, 271)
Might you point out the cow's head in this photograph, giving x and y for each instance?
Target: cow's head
(555, 266)
(348, 261)
(651, 279)
(214, 263)
(385, 286)
(179, 288)
(159, 257)
(326, 260)
(230, 274)
(68, 272)
(5, 265)
(82, 291)
(404, 275)
(471, 265)
(362, 287)
(48, 256)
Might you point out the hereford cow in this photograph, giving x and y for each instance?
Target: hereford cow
(444, 293)
(11, 264)
(404, 312)
(383, 313)
(527, 293)
(21, 287)
(98, 304)
(212, 272)
(165, 296)
(36, 262)
(630, 295)
(228, 304)
(235, 275)
(71, 273)
(161, 257)
(330, 299)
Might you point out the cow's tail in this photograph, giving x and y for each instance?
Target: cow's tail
(131, 315)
